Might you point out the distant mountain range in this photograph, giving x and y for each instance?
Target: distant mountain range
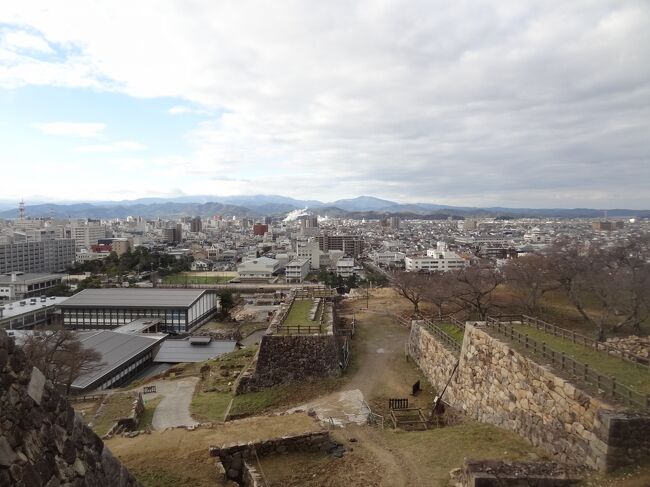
(367, 207)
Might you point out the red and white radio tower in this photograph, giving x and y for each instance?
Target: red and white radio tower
(21, 209)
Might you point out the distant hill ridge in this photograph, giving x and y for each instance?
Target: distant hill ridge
(276, 205)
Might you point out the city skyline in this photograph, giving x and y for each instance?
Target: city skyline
(536, 106)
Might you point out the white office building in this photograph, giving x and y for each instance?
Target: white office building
(439, 259)
(312, 252)
(297, 270)
(86, 233)
(260, 268)
(345, 267)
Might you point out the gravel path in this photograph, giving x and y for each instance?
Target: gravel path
(174, 409)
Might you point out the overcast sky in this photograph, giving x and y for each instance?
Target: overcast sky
(509, 103)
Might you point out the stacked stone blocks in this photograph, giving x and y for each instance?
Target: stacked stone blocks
(495, 384)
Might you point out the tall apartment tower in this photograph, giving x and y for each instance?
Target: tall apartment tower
(196, 225)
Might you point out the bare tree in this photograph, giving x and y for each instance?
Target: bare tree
(441, 289)
(411, 285)
(579, 268)
(475, 288)
(606, 285)
(61, 356)
(530, 277)
(632, 261)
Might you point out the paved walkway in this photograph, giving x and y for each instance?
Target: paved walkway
(174, 409)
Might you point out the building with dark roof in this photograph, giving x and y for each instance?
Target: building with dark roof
(123, 356)
(181, 310)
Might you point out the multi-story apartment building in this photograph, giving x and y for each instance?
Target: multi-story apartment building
(85, 234)
(173, 234)
(37, 257)
(297, 270)
(349, 244)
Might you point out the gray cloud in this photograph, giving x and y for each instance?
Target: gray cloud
(485, 103)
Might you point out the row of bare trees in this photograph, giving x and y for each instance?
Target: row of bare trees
(608, 285)
(470, 289)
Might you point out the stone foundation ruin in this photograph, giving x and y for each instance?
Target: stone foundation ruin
(236, 461)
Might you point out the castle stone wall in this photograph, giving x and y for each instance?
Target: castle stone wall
(495, 384)
(42, 441)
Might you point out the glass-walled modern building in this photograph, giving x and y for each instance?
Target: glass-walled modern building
(181, 310)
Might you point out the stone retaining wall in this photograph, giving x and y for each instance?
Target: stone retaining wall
(286, 358)
(42, 440)
(491, 473)
(495, 384)
(236, 459)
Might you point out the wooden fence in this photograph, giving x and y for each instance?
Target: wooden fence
(605, 385)
(299, 329)
(447, 340)
(399, 403)
(585, 341)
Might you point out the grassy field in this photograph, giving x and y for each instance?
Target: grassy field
(451, 330)
(634, 377)
(284, 395)
(210, 406)
(299, 312)
(117, 406)
(195, 278)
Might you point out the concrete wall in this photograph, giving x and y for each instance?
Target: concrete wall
(42, 440)
(286, 358)
(497, 385)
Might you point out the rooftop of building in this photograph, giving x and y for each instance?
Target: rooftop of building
(134, 298)
(192, 350)
(28, 278)
(115, 348)
(138, 326)
(14, 308)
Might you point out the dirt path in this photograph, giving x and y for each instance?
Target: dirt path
(398, 469)
(174, 409)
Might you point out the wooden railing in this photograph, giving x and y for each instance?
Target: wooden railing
(446, 340)
(87, 398)
(605, 385)
(299, 329)
(373, 418)
(585, 341)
